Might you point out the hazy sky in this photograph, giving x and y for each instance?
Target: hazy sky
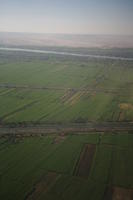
(67, 16)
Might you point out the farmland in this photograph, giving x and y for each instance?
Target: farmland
(45, 167)
(60, 89)
(68, 124)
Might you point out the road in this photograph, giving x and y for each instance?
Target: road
(66, 53)
(76, 128)
(117, 91)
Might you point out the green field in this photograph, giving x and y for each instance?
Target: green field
(25, 163)
(55, 89)
(77, 89)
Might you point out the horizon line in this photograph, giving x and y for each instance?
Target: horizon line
(84, 34)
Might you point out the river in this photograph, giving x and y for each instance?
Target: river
(65, 53)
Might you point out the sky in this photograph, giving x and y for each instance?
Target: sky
(67, 16)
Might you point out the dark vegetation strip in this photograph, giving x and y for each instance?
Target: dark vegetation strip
(84, 163)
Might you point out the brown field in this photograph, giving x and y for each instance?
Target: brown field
(126, 106)
(60, 138)
(42, 186)
(68, 94)
(118, 193)
(122, 194)
(75, 98)
(121, 116)
(84, 164)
